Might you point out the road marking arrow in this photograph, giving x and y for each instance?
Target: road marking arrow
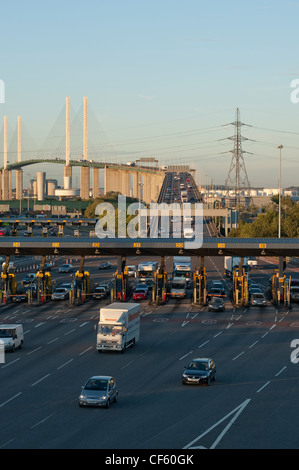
(235, 412)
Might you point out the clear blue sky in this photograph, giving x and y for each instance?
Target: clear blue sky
(161, 77)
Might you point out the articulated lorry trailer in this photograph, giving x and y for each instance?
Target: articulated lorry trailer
(232, 262)
(118, 326)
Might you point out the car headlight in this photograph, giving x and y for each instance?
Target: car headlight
(104, 397)
(185, 375)
(82, 397)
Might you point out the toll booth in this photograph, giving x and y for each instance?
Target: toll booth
(200, 284)
(121, 288)
(280, 289)
(29, 231)
(60, 231)
(240, 288)
(14, 231)
(159, 292)
(81, 286)
(8, 282)
(44, 284)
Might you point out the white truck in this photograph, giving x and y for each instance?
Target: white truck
(118, 326)
(178, 289)
(232, 262)
(11, 336)
(184, 196)
(146, 273)
(252, 262)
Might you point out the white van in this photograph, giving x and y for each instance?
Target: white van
(188, 233)
(132, 270)
(12, 336)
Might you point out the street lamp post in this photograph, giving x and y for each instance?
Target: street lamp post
(280, 147)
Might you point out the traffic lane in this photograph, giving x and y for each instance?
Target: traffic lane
(114, 360)
(34, 380)
(269, 421)
(42, 383)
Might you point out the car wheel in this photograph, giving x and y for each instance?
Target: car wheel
(116, 397)
(208, 381)
(108, 403)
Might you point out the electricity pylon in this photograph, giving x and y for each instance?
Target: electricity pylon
(237, 179)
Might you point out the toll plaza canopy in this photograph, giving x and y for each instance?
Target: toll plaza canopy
(74, 246)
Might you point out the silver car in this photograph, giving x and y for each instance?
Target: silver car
(99, 390)
(66, 268)
(258, 299)
(60, 293)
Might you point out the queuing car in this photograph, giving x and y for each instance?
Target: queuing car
(66, 268)
(47, 267)
(216, 305)
(200, 370)
(218, 285)
(31, 288)
(4, 232)
(29, 278)
(140, 293)
(66, 285)
(60, 293)
(101, 292)
(131, 271)
(99, 390)
(142, 285)
(254, 289)
(258, 299)
(105, 265)
(214, 292)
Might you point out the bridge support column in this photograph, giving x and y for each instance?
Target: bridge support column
(5, 184)
(84, 184)
(125, 177)
(67, 172)
(112, 180)
(136, 185)
(147, 184)
(95, 182)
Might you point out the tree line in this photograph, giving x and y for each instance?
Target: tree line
(266, 223)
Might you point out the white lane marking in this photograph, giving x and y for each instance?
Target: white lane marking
(34, 350)
(10, 399)
(85, 351)
(236, 412)
(42, 421)
(265, 385)
(190, 352)
(63, 365)
(238, 355)
(39, 380)
(12, 362)
(281, 370)
(203, 344)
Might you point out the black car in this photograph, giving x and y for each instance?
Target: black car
(214, 292)
(216, 305)
(105, 265)
(200, 370)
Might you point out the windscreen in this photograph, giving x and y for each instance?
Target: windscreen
(96, 384)
(110, 329)
(6, 333)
